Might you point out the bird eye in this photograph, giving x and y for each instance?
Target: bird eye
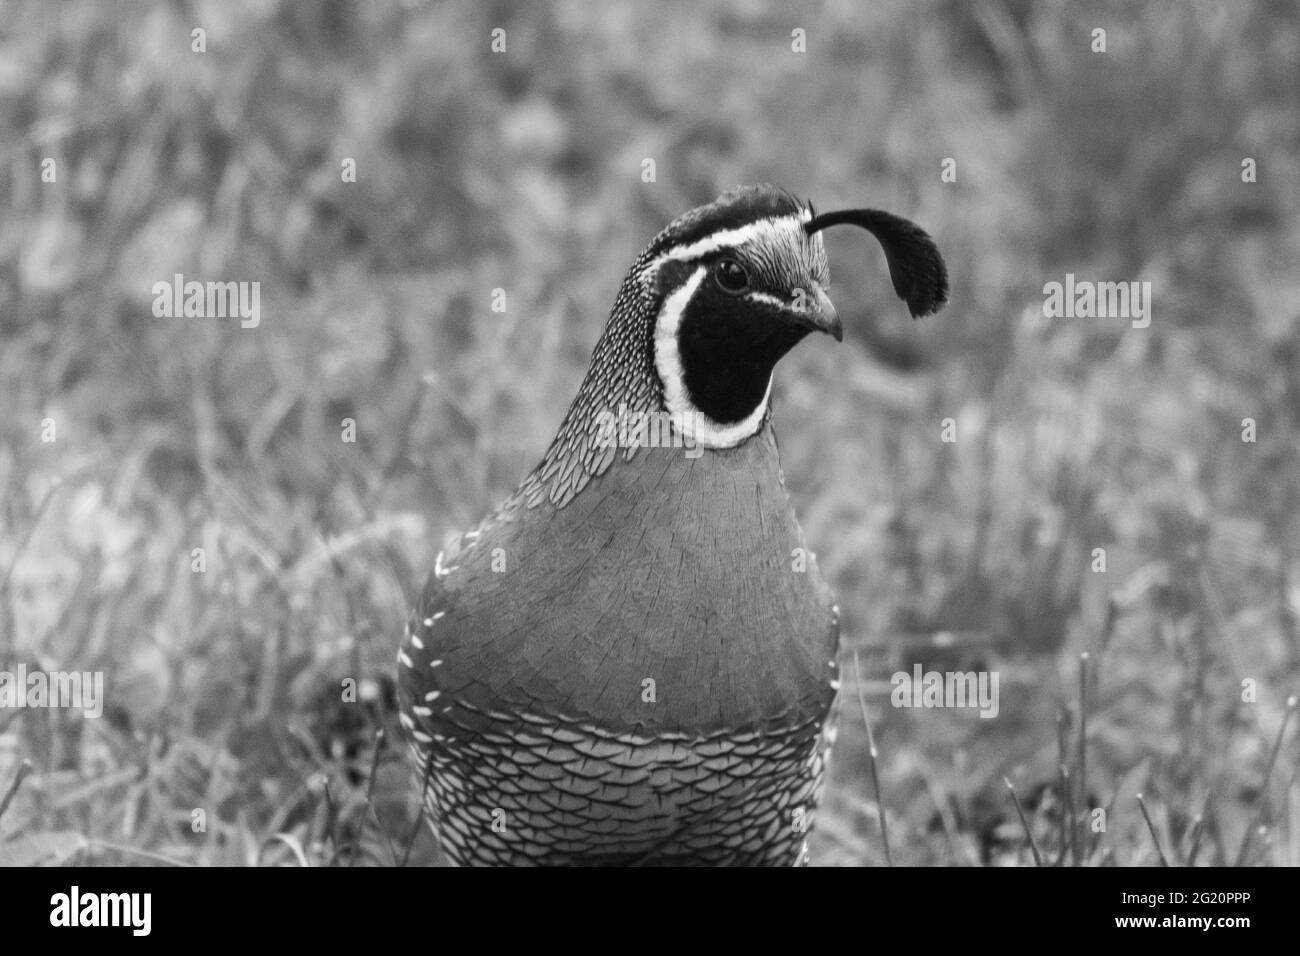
(731, 276)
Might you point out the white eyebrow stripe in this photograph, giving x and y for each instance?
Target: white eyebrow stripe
(769, 299)
(729, 238)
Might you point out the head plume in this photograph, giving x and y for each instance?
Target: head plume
(915, 266)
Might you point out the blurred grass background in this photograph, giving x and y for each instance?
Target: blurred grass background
(522, 171)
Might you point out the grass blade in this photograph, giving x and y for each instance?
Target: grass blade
(872, 755)
(1020, 812)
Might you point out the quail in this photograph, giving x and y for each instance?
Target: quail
(633, 659)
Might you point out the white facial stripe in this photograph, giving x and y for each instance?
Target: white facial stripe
(769, 299)
(692, 422)
(730, 238)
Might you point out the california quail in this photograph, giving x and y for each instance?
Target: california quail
(623, 663)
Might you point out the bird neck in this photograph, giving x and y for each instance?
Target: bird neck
(619, 407)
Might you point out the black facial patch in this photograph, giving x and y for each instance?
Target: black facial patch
(728, 347)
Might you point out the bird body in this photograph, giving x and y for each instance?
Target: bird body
(633, 659)
(560, 672)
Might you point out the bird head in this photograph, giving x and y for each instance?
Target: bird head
(736, 284)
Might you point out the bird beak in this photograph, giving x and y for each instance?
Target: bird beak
(819, 313)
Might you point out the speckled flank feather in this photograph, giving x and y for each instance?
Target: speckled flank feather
(523, 673)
